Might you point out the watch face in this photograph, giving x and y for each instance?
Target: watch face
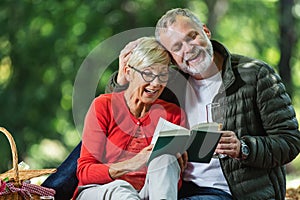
(245, 150)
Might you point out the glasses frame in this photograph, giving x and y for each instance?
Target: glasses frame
(154, 76)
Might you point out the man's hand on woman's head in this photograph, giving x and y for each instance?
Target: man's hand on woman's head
(123, 60)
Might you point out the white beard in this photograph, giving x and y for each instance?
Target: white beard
(201, 67)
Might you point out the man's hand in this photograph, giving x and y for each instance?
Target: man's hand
(182, 160)
(123, 59)
(229, 144)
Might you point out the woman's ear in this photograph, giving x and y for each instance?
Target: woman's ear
(127, 73)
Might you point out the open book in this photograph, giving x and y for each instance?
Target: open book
(200, 141)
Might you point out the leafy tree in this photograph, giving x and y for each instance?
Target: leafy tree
(43, 44)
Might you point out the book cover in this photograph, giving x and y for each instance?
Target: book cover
(200, 142)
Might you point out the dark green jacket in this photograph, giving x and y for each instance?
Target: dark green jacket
(259, 110)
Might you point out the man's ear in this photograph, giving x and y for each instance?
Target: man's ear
(206, 31)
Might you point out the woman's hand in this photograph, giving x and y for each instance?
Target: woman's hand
(141, 158)
(182, 160)
(138, 161)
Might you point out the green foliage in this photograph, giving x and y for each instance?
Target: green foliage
(43, 44)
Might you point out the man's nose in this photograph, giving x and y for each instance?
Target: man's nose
(187, 47)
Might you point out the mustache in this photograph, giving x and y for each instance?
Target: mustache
(196, 51)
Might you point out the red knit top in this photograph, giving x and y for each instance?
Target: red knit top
(112, 134)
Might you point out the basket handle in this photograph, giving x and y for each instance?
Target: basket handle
(13, 152)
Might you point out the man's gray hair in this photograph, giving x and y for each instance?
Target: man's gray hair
(170, 17)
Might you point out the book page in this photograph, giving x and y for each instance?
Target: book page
(166, 128)
(210, 126)
(169, 139)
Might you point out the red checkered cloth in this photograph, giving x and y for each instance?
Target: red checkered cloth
(27, 189)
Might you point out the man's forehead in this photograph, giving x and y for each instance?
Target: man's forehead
(171, 36)
(172, 31)
(179, 29)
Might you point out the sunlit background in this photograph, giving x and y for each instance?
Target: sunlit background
(44, 42)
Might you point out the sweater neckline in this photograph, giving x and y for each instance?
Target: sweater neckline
(137, 121)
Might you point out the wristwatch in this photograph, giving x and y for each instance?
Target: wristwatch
(245, 151)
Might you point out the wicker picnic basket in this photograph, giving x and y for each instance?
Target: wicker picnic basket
(17, 176)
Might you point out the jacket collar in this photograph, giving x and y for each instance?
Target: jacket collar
(227, 72)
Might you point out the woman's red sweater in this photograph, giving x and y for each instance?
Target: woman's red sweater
(109, 136)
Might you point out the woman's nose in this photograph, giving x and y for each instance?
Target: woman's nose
(155, 82)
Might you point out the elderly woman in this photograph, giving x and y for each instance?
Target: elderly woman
(118, 131)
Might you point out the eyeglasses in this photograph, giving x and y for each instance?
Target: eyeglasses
(149, 76)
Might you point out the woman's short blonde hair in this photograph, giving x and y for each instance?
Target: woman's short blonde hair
(148, 52)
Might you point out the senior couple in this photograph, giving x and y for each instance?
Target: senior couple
(260, 131)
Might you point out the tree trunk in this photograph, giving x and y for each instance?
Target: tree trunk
(217, 8)
(287, 42)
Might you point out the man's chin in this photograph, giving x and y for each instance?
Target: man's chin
(194, 74)
(189, 70)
